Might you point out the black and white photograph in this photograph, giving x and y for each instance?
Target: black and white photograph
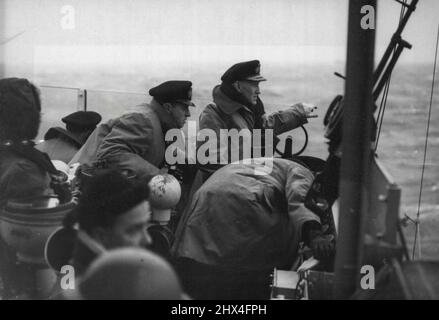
(219, 150)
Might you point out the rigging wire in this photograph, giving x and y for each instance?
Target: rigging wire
(383, 103)
(93, 90)
(417, 232)
(401, 14)
(381, 111)
(5, 41)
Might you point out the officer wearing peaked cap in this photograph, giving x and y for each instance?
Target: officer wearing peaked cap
(173, 91)
(249, 70)
(236, 105)
(135, 142)
(62, 144)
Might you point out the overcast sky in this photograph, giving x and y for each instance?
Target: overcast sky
(193, 32)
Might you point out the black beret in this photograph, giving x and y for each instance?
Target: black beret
(83, 119)
(173, 91)
(248, 70)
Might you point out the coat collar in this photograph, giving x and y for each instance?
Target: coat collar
(226, 105)
(75, 138)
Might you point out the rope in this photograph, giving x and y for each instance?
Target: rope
(425, 152)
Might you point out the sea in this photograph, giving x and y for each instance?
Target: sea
(402, 144)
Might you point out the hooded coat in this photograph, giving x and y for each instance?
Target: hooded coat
(20, 177)
(242, 221)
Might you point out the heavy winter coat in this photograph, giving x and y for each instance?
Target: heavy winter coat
(133, 142)
(243, 220)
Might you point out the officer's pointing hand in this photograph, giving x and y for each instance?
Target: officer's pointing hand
(309, 109)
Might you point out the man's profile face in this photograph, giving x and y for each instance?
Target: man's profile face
(130, 229)
(249, 90)
(180, 112)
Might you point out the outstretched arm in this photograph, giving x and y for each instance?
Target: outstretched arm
(288, 119)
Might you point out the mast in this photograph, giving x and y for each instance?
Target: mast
(356, 150)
